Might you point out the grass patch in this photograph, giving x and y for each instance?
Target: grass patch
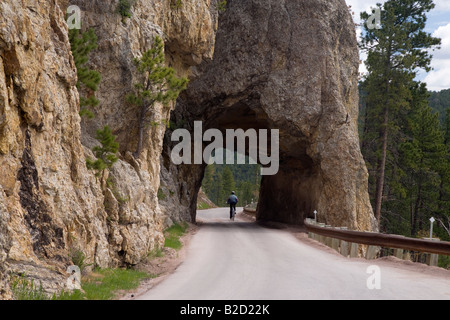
(155, 253)
(161, 195)
(75, 295)
(173, 235)
(24, 289)
(203, 206)
(104, 283)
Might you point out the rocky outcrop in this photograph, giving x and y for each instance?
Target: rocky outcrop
(189, 33)
(50, 204)
(292, 66)
(288, 65)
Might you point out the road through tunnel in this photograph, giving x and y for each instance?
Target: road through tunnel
(281, 65)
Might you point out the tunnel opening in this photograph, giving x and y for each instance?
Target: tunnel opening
(221, 179)
(290, 195)
(268, 72)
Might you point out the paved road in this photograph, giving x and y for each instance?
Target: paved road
(242, 261)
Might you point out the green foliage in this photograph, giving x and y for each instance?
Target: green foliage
(421, 151)
(440, 102)
(228, 183)
(176, 4)
(155, 253)
(88, 80)
(220, 180)
(103, 284)
(124, 8)
(203, 205)
(100, 285)
(66, 295)
(221, 6)
(24, 288)
(109, 281)
(78, 258)
(444, 262)
(161, 194)
(158, 84)
(173, 234)
(395, 53)
(106, 153)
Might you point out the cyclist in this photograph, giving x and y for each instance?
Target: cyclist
(232, 201)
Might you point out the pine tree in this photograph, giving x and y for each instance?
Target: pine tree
(443, 212)
(395, 52)
(105, 154)
(88, 79)
(218, 190)
(208, 182)
(158, 85)
(124, 8)
(228, 183)
(421, 150)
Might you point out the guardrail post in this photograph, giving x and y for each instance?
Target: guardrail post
(311, 235)
(328, 240)
(343, 245)
(398, 253)
(335, 244)
(371, 252)
(344, 248)
(432, 258)
(354, 250)
(322, 238)
(406, 256)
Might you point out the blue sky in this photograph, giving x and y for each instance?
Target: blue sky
(439, 25)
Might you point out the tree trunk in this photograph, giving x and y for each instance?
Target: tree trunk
(381, 167)
(416, 210)
(141, 128)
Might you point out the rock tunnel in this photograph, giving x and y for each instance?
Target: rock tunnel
(291, 66)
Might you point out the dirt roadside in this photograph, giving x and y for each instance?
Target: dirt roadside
(162, 266)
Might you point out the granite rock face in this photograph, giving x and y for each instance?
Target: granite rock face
(292, 66)
(50, 202)
(51, 206)
(272, 64)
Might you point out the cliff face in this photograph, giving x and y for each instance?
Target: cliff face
(289, 65)
(50, 204)
(50, 201)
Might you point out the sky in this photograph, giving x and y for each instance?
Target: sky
(438, 25)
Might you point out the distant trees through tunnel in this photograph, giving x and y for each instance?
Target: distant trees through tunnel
(220, 179)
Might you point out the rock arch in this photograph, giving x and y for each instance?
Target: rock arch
(293, 66)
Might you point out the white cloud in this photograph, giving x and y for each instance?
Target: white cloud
(442, 5)
(359, 6)
(443, 32)
(439, 78)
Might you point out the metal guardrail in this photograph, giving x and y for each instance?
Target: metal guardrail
(346, 241)
(382, 240)
(249, 210)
